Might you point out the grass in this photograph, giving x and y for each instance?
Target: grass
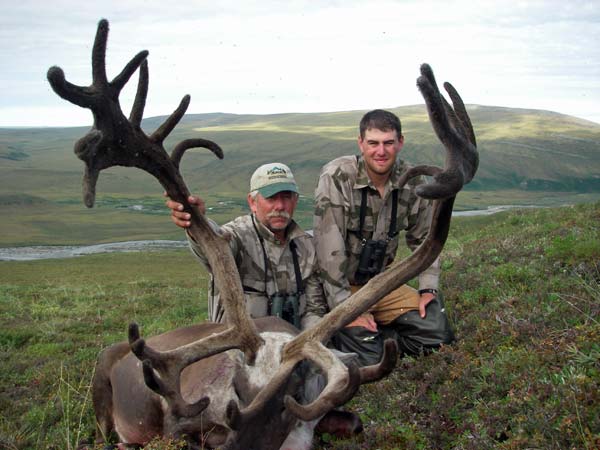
(52, 327)
(522, 289)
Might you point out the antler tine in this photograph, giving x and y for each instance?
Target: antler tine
(165, 129)
(99, 78)
(116, 141)
(455, 131)
(237, 417)
(342, 384)
(170, 363)
(120, 80)
(167, 383)
(137, 110)
(461, 112)
(369, 374)
(184, 355)
(183, 146)
(71, 92)
(99, 53)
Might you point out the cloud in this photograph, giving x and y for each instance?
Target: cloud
(267, 56)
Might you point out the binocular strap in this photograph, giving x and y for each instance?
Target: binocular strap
(293, 250)
(393, 219)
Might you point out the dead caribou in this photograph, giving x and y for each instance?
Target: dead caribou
(242, 384)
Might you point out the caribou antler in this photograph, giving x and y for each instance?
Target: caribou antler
(169, 367)
(114, 140)
(453, 128)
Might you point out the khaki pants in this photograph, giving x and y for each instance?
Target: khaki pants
(396, 303)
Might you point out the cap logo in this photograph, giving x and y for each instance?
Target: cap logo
(275, 171)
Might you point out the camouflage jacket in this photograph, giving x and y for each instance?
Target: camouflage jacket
(259, 285)
(337, 221)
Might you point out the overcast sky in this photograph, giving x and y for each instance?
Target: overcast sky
(265, 56)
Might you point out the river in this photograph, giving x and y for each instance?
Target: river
(490, 210)
(70, 251)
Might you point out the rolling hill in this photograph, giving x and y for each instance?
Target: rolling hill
(525, 155)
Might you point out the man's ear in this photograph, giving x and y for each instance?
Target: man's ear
(360, 141)
(251, 203)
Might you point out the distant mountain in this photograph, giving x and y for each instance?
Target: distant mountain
(519, 149)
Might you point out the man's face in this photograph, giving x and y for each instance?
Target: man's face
(379, 150)
(274, 212)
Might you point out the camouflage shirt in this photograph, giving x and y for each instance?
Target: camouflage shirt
(279, 277)
(337, 222)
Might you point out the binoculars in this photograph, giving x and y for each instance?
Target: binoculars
(371, 260)
(286, 307)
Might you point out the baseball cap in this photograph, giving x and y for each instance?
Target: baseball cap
(269, 179)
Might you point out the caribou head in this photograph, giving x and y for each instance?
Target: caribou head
(241, 384)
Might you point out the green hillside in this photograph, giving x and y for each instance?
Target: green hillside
(527, 157)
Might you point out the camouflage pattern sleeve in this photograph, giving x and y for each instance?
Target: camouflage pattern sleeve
(316, 307)
(329, 226)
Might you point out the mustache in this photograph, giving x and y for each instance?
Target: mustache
(283, 214)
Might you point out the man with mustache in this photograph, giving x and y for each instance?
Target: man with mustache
(276, 259)
(278, 268)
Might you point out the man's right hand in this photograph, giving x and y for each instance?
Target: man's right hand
(365, 320)
(179, 216)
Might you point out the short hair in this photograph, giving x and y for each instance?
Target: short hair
(381, 120)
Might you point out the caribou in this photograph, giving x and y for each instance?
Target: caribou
(241, 384)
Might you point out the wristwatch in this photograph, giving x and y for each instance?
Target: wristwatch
(427, 291)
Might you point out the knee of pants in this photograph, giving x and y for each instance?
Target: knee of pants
(428, 333)
(366, 344)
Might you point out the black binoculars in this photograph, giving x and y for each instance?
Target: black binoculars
(371, 260)
(287, 307)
